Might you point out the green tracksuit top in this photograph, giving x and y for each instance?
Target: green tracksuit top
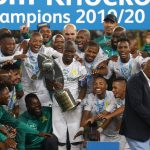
(102, 41)
(7, 119)
(42, 124)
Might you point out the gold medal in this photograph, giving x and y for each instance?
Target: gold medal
(34, 77)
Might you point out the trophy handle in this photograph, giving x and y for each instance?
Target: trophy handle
(51, 72)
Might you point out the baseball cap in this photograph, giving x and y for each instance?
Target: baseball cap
(42, 24)
(111, 17)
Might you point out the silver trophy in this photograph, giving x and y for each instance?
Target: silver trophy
(52, 72)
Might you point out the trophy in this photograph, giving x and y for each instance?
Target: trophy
(52, 72)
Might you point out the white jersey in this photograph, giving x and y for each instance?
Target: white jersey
(69, 120)
(80, 53)
(97, 106)
(119, 103)
(49, 51)
(35, 85)
(72, 74)
(111, 129)
(100, 54)
(11, 101)
(89, 67)
(3, 58)
(125, 70)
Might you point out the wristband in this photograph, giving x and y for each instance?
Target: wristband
(78, 100)
(16, 103)
(100, 129)
(81, 129)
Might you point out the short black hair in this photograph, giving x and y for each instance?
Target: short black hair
(4, 30)
(93, 43)
(2, 87)
(29, 97)
(35, 34)
(111, 17)
(9, 67)
(123, 39)
(101, 77)
(119, 79)
(86, 32)
(119, 29)
(5, 35)
(70, 45)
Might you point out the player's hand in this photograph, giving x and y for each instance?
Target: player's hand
(20, 57)
(144, 54)
(24, 45)
(7, 62)
(24, 29)
(45, 135)
(114, 58)
(10, 143)
(78, 58)
(57, 85)
(107, 117)
(78, 134)
(95, 72)
(90, 121)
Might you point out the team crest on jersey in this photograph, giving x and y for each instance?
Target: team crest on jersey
(44, 118)
(74, 72)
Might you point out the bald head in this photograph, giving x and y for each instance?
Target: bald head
(70, 32)
(85, 32)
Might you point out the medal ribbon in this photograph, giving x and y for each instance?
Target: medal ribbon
(101, 107)
(126, 71)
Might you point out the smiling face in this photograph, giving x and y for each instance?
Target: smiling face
(82, 39)
(119, 88)
(109, 25)
(99, 86)
(46, 34)
(116, 35)
(70, 33)
(68, 56)
(15, 77)
(34, 107)
(36, 42)
(123, 50)
(91, 53)
(4, 96)
(69, 52)
(8, 46)
(59, 43)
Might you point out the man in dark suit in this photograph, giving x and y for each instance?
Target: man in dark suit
(136, 119)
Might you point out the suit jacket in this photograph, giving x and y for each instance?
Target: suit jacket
(136, 117)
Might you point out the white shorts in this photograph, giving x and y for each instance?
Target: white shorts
(66, 120)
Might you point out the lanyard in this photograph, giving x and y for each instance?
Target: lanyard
(12, 99)
(101, 107)
(89, 70)
(33, 63)
(126, 71)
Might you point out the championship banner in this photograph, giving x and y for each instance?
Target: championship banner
(89, 14)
